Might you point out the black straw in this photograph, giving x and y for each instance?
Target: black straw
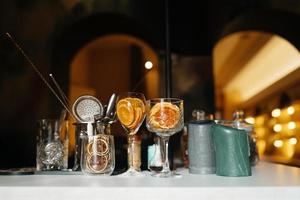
(168, 61)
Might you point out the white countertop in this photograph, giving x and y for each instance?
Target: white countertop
(269, 181)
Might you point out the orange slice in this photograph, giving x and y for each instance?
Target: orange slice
(125, 112)
(138, 103)
(97, 163)
(137, 118)
(164, 115)
(99, 146)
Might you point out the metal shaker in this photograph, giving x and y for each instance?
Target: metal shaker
(231, 150)
(201, 147)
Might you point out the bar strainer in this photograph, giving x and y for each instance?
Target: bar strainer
(86, 107)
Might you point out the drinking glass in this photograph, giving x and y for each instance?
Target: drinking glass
(98, 155)
(165, 118)
(131, 112)
(52, 145)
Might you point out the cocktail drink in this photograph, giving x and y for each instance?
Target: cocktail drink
(131, 112)
(165, 118)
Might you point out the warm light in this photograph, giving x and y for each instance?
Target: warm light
(261, 145)
(291, 125)
(277, 127)
(259, 121)
(290, 110)
(281, 57)
(293, 141)
(260, 132)
(148, 65)
(276, 112)
(278, 143)
(250, 120)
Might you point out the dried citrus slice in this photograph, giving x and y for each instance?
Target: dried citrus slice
(164, 115)
(97, 163)
(125, 112)
(138, 103)
(98, 146)
(137, 118)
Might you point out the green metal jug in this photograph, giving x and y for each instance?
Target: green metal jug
(231, 151)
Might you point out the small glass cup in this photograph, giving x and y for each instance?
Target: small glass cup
(154, 156)
(52, 145)
(98, 155)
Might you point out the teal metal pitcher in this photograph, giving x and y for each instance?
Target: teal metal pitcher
(231, 151)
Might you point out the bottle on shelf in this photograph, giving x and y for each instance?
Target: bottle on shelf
(240, 123)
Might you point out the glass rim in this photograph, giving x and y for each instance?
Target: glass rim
(171, 99)
(130, 93)
(98, 136)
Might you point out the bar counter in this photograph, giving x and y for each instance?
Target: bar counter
(269, 181)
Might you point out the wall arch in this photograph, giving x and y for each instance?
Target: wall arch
(282, 23)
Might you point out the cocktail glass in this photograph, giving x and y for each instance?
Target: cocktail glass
(165, 118)
(131, 112)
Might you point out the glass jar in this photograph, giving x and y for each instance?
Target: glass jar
(98, 155)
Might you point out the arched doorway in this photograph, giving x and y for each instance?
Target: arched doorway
(257, 68)
(113, 63)
(103, 28)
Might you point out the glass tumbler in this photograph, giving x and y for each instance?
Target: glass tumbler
(98, 155)
(52, 145)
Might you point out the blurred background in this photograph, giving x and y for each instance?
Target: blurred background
(238, 54)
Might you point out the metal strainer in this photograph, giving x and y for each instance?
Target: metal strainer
(86, 107)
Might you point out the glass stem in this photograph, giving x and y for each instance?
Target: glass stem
(164, 144)
(131, 153)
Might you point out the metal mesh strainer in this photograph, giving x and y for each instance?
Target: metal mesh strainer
(86, 107)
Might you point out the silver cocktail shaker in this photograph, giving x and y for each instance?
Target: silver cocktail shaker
(200, 147)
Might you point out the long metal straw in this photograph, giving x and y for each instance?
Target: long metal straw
(61, 92)
(38, 72)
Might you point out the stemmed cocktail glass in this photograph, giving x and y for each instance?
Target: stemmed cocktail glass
(131, 112)
(165, 118)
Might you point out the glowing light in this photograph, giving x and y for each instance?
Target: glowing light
(290, 110)
(260, 132)
(261, 145)
(291, 125)
(276, 112)
(259, 121)
(250, 120)
(293, 141)
(278, 143)
(277, 128)
(148, 65)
